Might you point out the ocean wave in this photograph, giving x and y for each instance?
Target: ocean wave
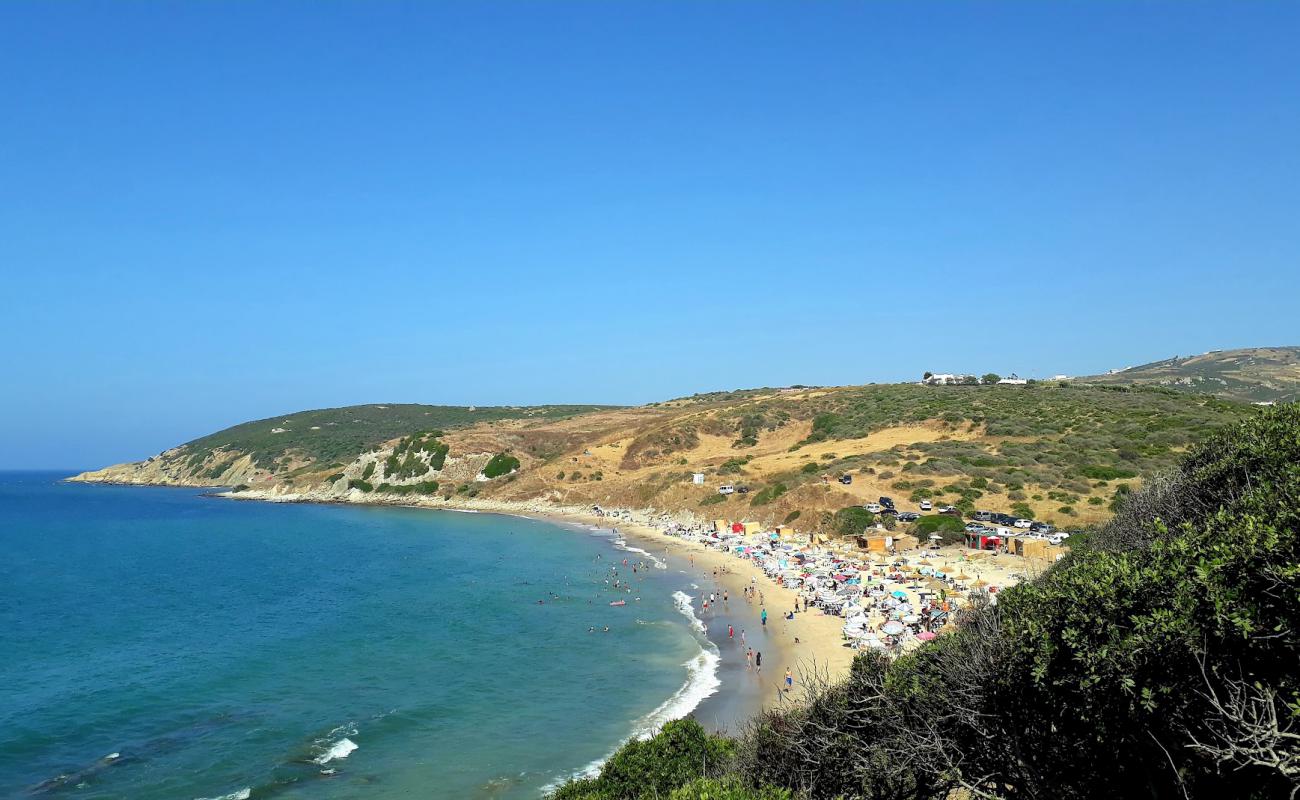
(621, 544)
(701, 682)
(683, 601)
(336, 745)
(242, 794)
(340, 749)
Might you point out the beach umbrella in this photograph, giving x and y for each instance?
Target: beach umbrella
(892, 627)
(911, 619)
(926, 636)
(899, 593)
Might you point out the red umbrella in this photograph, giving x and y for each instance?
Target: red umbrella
(926, 636)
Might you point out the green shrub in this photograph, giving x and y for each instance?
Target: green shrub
(812, 467)
(653, 768)
(768, 494)
(362, 484)
(951, 528)
(733, 466)
(852, 521)
(791, 517)
(713, 499)
(367, 472)
(1104, 473)
(500, 464)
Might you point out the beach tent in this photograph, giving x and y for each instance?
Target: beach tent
(750, 528)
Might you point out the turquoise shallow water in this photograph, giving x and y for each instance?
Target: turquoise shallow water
(162, 644)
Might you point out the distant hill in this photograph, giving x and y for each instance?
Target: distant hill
(1252, 375)
(1052, 452)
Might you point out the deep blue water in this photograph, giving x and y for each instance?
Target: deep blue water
(155, 643)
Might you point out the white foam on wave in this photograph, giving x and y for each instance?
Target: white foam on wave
(621, 544)
(683, 601)
(339, 750)
(701, 682)
(336, 745)
(242, 794)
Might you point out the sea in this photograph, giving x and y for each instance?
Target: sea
(164, 643)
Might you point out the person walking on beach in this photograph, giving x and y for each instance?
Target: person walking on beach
(758, 661)
(731, 632)
(749, 657)
(789, 679)
(742, 637)
(763, 616)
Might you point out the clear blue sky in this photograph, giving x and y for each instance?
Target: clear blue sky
(212, 212)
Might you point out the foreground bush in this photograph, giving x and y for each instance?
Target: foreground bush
(652, 768)
(1160, 661)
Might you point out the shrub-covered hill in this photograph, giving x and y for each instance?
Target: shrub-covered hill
(1257, 374)
(340, 434)
(1060, 453)
(1159, 661)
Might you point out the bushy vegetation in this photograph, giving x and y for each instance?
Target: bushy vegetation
(417, 454)
(768, 494)
(1053, 435)
(681, 762)
(852, 521)
(502, 464)
(341, 434)
(1157, 660)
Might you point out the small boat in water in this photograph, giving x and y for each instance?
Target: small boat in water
(619, 603)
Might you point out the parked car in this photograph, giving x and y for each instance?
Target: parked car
(926, 505)
(1004, 519)
(726, 488)
(1041, 527)
(742, 490)
(975, 527)
(889, 510)
(846, 479)
(1024, 523)
(983, 516)
(886, 502)
(951, 511)
(908, 516)
(875, 508)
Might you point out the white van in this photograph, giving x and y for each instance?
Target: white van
(726, 489)
(875, 508)
(1024, 523)
(926, 505)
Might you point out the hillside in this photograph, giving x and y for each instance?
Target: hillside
(1057, 453)
(1253, 375)
(1157, 660)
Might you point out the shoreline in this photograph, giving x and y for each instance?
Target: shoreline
(742, 695)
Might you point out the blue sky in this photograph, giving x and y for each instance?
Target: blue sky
(212, 212)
